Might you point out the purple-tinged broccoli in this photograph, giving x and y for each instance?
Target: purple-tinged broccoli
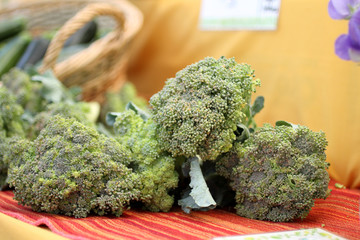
(277, 172)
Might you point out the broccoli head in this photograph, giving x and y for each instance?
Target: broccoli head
(71, 169)
(10, 114)
(3, 164)
(27, 92)
(18, 82)
(198, 110)
(77, 110)
(155, 167)
(11, 150)
(277, 172)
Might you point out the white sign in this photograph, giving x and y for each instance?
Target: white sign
(239, 14)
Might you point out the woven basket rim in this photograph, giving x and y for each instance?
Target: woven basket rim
(67, 69)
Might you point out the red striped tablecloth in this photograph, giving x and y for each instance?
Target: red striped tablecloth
(339, 214)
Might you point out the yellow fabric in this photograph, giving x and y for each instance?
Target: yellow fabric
(303, 81)
(11, 229)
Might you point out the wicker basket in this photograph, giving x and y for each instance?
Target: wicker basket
(102, 65)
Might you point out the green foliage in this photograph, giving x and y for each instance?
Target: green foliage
(277, 172)
(155, 167)
(198, 111)
(73, 170)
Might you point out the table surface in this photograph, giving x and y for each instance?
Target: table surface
(338, 214)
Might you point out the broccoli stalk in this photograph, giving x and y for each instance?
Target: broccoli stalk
(73, 170)
(277, 172)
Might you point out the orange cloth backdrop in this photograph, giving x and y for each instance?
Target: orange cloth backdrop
(303, 81)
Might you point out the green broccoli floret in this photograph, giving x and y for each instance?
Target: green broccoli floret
(116, 101)
(155, 167)
(18, 82)
(78, 110)
(73, 170)
(11, 126)
(27, 92)
(10, 114)
(198, 111)
(11, 150)
(277, 172)
(3, 164)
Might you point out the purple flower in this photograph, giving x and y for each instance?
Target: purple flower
(347, 46)
(342, 9)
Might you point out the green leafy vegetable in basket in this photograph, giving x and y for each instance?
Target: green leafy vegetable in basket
(11, 27)
(73, 170)
(12, 51)
(277, 172)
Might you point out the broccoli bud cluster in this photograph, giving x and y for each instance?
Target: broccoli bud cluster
(277, 172)
(73, 170)
(197, 111)
(155, 167)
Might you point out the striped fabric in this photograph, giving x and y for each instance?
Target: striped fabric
(338, 214)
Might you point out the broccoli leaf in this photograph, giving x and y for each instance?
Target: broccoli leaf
(53, 90)
(257, 106)
(131, 106)
(199, 197)
(285, 123)
(111, 116)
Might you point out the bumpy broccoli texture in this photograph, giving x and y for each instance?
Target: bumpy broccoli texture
(155, 167)
(3, 164)
(11, 150)
(10, 114)
(198, 110)
(77, 110)
(73, 170)
(10, 126)
(27, 92)
(277, 172)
